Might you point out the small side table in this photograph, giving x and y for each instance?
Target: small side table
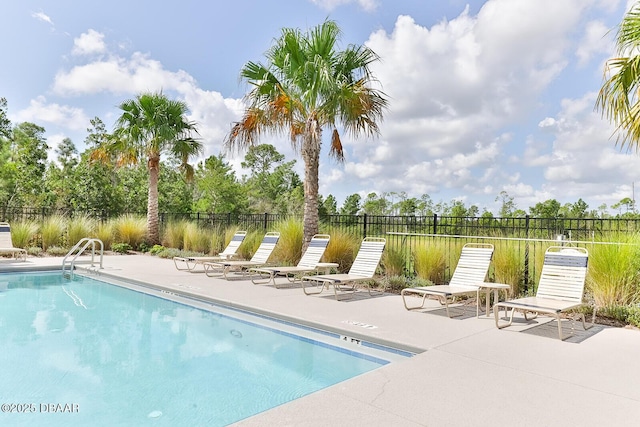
(487, 287)
(325, 267)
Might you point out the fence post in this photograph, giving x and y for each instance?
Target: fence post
(435, 223)
(364, 226)
(526, 254)
(266, 221)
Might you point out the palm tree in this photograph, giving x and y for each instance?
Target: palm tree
(306, 86)
(618, 99)
(150, 125)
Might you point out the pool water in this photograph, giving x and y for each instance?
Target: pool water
(86, 352)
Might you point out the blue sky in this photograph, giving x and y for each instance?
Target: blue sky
(485, 96)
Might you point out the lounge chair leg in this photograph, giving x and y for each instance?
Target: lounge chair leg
(559, 327)
(403, 294)
(496, 314)
(317, 283)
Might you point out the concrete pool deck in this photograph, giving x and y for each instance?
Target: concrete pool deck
(468, 373)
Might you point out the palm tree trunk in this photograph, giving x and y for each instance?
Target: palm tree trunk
(311, 157)
(153, 231)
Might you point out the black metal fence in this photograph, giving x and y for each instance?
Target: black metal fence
(528, 236)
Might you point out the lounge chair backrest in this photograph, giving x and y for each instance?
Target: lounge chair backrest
(473, 265)
(234, 244)
(368, 257)
(314, 252)
(266, 247)
(563, 274)
(5, 235)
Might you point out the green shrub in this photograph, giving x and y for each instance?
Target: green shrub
(395, 283)
(121, 248)
(508, 268)
(633, 316)
(79, 227)
(613, 273)
(393, 261)
(23, 233)
(218, 239)
(156, 249)
(250, 244)
(289, 248)
(173, 234)
(34, 251)
(56, 251)
(430, 262)
(342, 249)
(195, 238)
(105, 232)
(130, 229)
(52, 231)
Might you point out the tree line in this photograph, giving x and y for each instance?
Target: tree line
(73, 182)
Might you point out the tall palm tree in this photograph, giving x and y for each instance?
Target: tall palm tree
(618, 99)
(150, 125)
(307, 85)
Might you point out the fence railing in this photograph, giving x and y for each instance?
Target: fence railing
(364, 224)
(526, 236)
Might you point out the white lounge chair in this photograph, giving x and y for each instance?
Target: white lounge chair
(307, 264)
(258, 259)
(362, 270)
(230, 251)
(6, 243)
(560, 289)
(469, 275)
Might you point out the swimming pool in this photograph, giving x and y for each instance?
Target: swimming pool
(87, 352)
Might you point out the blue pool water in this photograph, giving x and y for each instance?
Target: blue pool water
(85, 352)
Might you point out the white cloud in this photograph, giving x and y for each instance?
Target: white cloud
(41, 16)
(119, 75)
(596, 40)
(455, 86)
(40, 111)
(91, 42)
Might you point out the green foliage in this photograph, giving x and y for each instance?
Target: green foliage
(151, 125)
(57, 251)
(34, 251)
(318, 81)
(633, 316)
(121, 248)
(216, 188)
(289, 248)
(395, 283)
(156, 249)
(218, 240)
(250, 244)
(79, 227)
(614, 272)
(5, 123)
(351, 205)
(29, 154)
(130, 229)
(271, 180)
(173, 234)
(393, 260)
(23, 233)
(52, 231)
(195, 238)
(105, 232)
(430, 262)
(508, 267)
(342, 249)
